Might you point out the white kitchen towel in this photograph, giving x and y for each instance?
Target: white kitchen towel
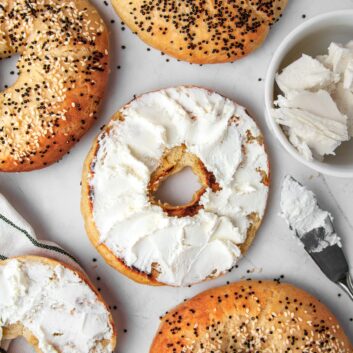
(18, 238)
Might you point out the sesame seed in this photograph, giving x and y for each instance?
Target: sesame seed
(56, 60)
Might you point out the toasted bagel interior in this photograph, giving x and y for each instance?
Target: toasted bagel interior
(174, 161)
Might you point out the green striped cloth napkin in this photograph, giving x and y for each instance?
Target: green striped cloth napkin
(18, 238)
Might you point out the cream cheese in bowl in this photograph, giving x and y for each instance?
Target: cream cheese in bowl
(314, 110)
(308, 93)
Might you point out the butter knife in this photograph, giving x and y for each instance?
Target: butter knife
(314, 228)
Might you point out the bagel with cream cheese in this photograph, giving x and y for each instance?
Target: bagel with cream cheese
(201, 31)
(157, 135)
(54, 307)
(63, 68)
(249, 317)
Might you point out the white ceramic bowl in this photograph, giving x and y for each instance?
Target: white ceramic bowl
(313, 38)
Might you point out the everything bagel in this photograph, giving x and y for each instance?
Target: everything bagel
(54, 307)
(63, 68)
(251, 317)
(149, 139)
(201, 31)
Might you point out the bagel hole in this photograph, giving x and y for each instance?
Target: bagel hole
(19, 344)
(8, 71)
(178, 189)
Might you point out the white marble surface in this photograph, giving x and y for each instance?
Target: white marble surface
(50, 198)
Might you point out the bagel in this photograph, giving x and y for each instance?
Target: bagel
(201, 31)
(54, 307)
(157, 135)
(63, 68)
(249, 317)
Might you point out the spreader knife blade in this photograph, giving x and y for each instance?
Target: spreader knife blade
(314, 228)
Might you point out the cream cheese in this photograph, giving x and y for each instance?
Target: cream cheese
(348, 77)
(313, 120)
(338, 58)
(300, 209)
(344, 101)
(316, 111)
(60, 310)
(189, 249)
(306, 73)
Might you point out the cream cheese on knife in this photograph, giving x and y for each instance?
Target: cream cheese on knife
(314, 228)
(300, 209)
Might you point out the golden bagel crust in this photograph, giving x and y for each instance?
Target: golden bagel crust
(63, 71)
(201, 31)
(13, 331)
(249, 317)
(167, 167)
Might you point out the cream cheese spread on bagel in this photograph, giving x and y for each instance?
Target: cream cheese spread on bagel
(53, 307)
(212, 134)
